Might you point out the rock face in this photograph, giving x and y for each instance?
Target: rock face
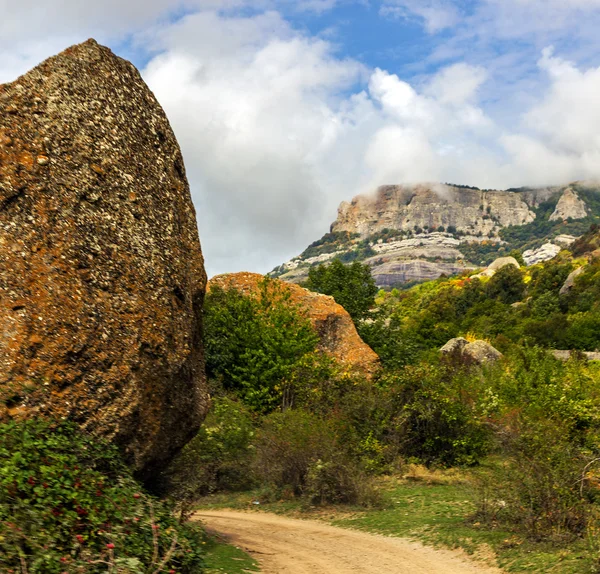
(570, 280)
(544, 253)
(101, 271)
(431, 206)
(336, 331)
(478, 352)
(569, 205)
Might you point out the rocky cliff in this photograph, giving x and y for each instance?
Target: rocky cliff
(101, 271)
(411, 233)
(337, 334)
(431, 206)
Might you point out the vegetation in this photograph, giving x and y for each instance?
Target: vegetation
(350, 285)
(253, 344)
(68, 504)
(528, 426)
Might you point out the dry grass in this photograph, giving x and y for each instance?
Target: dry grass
(420, 473)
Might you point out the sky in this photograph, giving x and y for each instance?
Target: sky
(285, 108)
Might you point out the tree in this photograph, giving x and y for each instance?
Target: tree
(252, 343)
(506, 285)
(351, 286)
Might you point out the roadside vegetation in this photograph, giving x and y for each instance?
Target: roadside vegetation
(523, 434)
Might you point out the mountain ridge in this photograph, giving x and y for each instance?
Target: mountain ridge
(412, 233)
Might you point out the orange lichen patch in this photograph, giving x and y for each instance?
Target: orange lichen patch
(337, 334)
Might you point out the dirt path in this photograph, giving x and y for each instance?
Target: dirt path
(285, 545)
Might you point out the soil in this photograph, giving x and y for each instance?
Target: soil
(286, 545)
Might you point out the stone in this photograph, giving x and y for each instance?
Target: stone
(570, 280)
(544, 253)
(101, 270)
(337, 334)
(490, 271)
(454, 346)
(478, 352)
(481, 352)
(569, 205)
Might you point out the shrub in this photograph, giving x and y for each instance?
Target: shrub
(339, 483)
(68, 504)
(287, 446)
(217, 458)
(253, 342)
(351, 286)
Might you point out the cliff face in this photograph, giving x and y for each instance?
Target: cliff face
(431, 206)
(337, 335)
(101, 271)
(411, 233)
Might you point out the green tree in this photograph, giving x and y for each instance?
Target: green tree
(252, 343)
(352, 286)
(506, 285)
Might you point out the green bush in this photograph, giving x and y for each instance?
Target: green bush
(350, 285)
(252, 343)
(68, 504)
(287, 446)
(217, 458)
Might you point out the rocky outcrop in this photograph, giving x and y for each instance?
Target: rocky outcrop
(566, 355)
(498, 264)
(570, 280)
(430, 206)
(478, 352)
(544, 253)
(569, 205)
(336, 331)
(101, 272)
(393, 272)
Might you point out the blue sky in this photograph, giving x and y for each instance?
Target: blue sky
(284, 108)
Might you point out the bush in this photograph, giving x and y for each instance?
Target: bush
(68, 504)
(351, 286)
(288, 444)
(217, 458)
(336, 482)
(252, 343)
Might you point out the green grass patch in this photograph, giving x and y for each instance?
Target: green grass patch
(223, 557)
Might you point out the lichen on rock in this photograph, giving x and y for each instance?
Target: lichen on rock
(101, 271)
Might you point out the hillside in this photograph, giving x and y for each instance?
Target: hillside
(410, 234)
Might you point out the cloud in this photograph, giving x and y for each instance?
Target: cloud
(256, 107)
(435, 14)
(277, 126)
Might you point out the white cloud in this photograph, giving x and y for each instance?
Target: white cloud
(277, 128)
(435, 14)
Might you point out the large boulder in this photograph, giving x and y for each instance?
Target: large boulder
(337, 335)
(101, 271)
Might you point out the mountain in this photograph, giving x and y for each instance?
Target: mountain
(414, 233)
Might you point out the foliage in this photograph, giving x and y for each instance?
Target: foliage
(253, 343)
(289, 443)
(506, 285)
(68, 504)
(351, 286)
(217, 458)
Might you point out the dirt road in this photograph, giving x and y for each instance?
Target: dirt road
(289, 546)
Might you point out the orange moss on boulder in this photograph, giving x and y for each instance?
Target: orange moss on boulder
(337, 335)
(101, 271)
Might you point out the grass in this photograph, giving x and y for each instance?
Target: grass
(437, 509)
(222, 557)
